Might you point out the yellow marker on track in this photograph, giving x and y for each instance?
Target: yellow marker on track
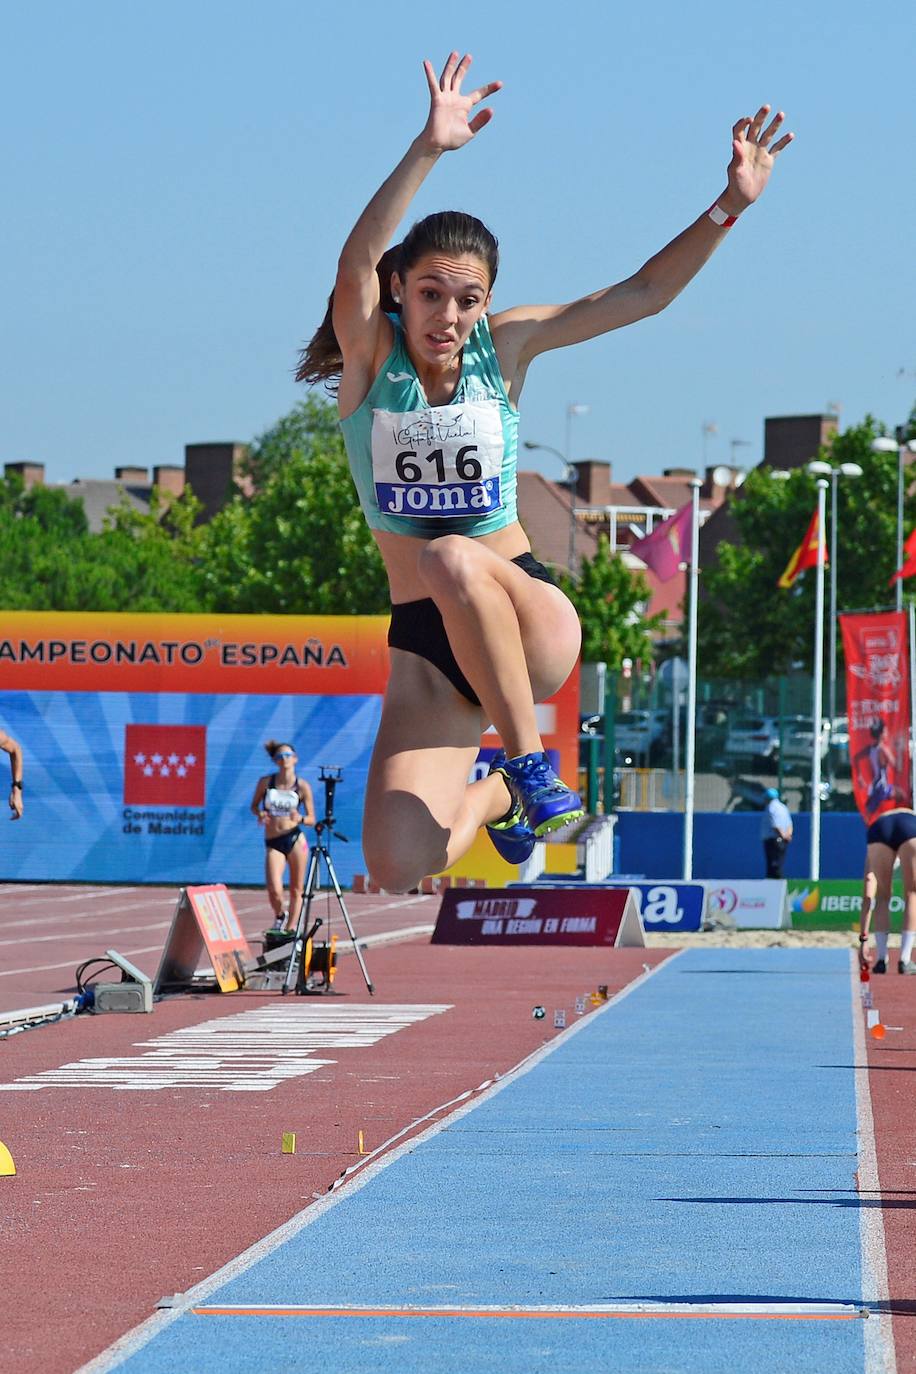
(359, 1143)
(7, 1167)
(289, 1143)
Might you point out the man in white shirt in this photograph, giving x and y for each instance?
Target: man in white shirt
(776, 833)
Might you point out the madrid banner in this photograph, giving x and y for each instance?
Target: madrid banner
(143, 737)
(878, 704)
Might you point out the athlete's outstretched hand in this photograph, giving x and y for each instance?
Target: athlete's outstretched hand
(753, 154)
(450, 124)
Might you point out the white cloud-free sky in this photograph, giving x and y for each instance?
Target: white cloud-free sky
(178, 177)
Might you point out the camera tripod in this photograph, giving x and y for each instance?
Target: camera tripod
(300, 970)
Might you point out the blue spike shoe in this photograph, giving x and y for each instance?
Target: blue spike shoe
(512, 839)
(546, 803)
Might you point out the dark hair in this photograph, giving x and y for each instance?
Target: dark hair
(876, 729)
(448, 231)
(272, 745)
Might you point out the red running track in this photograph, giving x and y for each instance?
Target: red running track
(123, 1197)
(892, 1081)
(47, 931)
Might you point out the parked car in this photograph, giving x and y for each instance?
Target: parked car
(753, 738)
(839, 746)
(798, 741)
(638, 735)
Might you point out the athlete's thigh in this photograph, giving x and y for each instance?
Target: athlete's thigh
(549, 625)
(427, 741)
(880, 861)
(274, 864)
(297, 859)
(907, 856)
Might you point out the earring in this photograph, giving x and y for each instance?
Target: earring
(396, 299)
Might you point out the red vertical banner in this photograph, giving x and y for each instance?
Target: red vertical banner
(878, 703)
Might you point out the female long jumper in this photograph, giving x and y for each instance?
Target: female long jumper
(429, 385)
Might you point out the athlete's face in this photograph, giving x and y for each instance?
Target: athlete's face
(442, 298)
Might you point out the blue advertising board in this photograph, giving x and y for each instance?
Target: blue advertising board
(669, 906)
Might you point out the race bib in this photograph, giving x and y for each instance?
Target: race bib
(438, 463)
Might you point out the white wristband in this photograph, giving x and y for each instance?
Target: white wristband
(721, 217)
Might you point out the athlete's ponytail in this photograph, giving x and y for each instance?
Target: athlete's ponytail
(449, 231)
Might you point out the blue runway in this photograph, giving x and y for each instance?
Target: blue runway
(694, 1143)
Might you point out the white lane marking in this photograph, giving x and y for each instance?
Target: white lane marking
(598, 1309)
(47, 908)
(880, 1356)
(253, 1051)
(61, 935)
(15, 889)
(135, 1340)
(68, 963)
(53, 894)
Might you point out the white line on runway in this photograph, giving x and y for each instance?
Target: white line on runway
(78, 916)
(804, 1310)
(68, 963)
(61, 935)
(880, 1354)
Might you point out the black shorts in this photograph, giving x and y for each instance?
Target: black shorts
(417, 628)
(894, 828)
(285, 843)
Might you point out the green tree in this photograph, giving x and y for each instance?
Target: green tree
(749, 627)
(299, 544)
(140, 561)
(611, 602)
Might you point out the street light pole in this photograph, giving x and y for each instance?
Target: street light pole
(822, 469)
(818, 685)
(570, 481)
(574, 408)
(901, 447)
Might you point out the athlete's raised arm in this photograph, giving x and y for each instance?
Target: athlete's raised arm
(451, 123)
(523, 332)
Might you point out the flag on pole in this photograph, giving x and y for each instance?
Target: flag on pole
(668, 546)
(909, 560)
(805, 556)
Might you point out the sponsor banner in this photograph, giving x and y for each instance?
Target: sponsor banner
(131, 781)
(878, 707)
(669, 906)
(832, 903)
(77, 652)
(753, 904)
(538, 916)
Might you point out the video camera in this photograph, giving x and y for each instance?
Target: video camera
(330, 775)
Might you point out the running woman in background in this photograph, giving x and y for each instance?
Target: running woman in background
(428, 384)
(283, 804)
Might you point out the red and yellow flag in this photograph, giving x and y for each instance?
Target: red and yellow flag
(805, 556)
(908, 569)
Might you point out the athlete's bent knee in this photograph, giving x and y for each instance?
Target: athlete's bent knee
(393, 876)
(449, 565)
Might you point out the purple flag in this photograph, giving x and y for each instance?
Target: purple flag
(668, 546)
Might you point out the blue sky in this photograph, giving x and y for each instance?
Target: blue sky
(178, 179)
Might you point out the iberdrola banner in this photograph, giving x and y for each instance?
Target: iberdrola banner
(878, 704)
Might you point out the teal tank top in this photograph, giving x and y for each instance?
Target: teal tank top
(424, 470)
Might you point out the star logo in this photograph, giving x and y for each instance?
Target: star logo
(165, 765)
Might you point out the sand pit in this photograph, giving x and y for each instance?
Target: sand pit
(756, 939)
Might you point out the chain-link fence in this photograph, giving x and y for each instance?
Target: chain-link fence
(750, 736)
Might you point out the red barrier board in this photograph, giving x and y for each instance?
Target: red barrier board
(603, 916)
